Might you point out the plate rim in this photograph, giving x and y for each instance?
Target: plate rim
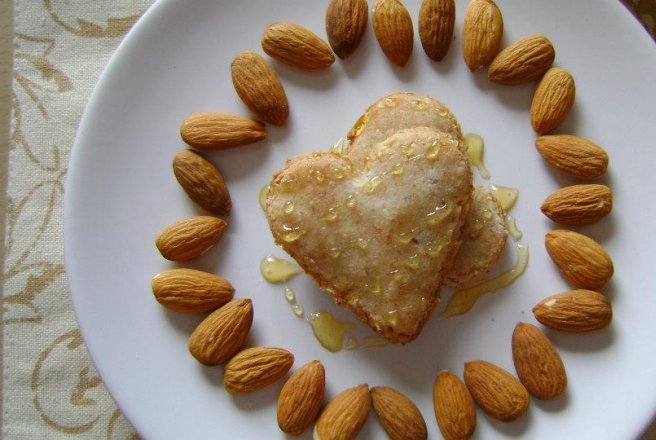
(99, 89)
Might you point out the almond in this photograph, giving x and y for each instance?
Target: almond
(399, 416)
(301, 398)
(259, 87)
(346, 22)
(255, 368)
(501, 395)
(482, 32)
(575, 311)
(202, 182)
(454, 407)
(218, 131)
(191, 291)
(523, 61)
(581, 260)
(393, 28)
(296, 46)
(436, 21)
(538, 364)
(190, 238)
(573, 155)
(345, 415)
(578, 205)
(219, 336)
(553, 100)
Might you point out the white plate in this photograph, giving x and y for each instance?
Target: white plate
(121, 193)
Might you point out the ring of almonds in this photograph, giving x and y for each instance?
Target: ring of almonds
(582, 261)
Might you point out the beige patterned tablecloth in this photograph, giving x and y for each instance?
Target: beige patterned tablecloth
(51, 53)
(49, 386)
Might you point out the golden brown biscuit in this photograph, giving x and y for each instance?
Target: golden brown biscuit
(484, 237)
(399, 111)
(379, 231)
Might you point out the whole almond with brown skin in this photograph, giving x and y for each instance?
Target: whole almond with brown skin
(218, 131)
(219, 336)
(202, 182)
(523, 61)
(345, 415)
(301, 398)
(255, 368)
(346, 22)
(191, 291)
(553, 100)
(538, 364)
(578, 205)
(190, 238)
(399, 416)
(581, 260)
(436, 21)
(498, 392)
(393, 28)
(573, 155)
(259, 87)
(454, 407)
(482, 33)
(296, 46)
(575, 311)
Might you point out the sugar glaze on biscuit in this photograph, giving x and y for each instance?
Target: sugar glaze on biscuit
(484, 232)
(377, 230)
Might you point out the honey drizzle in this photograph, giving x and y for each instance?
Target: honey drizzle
(357, 127)
(298, 310)
(506, 196)
(262, 196)
(290, 295)
(475, 148)
(351, 343)
(511, 227)
(329, 331)
(278, 270)
(463, 300)
(338, 147)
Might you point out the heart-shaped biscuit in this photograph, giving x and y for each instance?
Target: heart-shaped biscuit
(398, 111)
(484, 237)
(484, 231)
(377, 231)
